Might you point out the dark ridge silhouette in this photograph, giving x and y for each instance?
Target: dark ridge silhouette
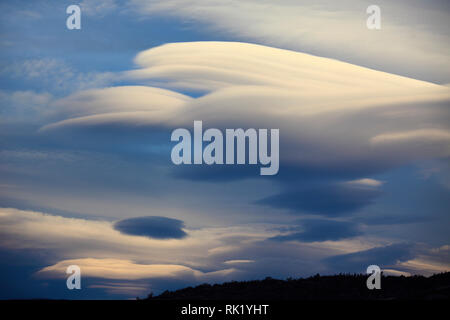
(337, 287)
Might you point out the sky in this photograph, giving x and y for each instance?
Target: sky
(86, 116)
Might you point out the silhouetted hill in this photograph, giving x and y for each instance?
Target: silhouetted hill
(337, 287)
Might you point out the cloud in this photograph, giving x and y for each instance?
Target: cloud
(104, 151)
(56, 75)
(152, 227)
(318, 104)
(98, 8)
(213, 254)
(382, 256)
(429, 261)
(321, 230)
(330, 114)
(66, 238)
(366, 182)
(71, 238)
(328, 200)
(328, 28)
(123, 269)
(24, 105)
(238, 261)
(38, 68)
(426, 135)
(391, 219)
(212, 174)
(96, 107)
(425, 140)
(127, 288)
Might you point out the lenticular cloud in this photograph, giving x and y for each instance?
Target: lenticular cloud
(330, 114)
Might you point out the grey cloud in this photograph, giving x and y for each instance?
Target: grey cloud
(382, 256)
(328, 200)
(322, 230)
(152, 227)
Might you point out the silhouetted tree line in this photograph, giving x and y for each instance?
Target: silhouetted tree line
(337, 287)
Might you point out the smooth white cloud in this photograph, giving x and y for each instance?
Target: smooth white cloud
(366, 182)
(330, 113)
(126, 270)
(413, 39)
(135, 105)
(425, 135)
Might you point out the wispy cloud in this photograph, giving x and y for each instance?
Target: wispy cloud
(56, 75)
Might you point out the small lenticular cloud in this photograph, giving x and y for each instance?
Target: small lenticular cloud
(152, 227)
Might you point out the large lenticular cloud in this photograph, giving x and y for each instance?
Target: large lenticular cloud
(331, 115)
